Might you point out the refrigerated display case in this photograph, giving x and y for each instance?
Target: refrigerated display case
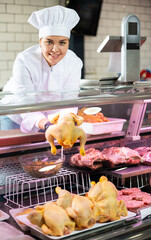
(18, 190)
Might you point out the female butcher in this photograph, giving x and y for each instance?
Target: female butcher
(48, 66)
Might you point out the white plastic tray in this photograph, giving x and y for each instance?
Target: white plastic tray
(23, 218)
(3, 216)
(13, 213)
(113, 125)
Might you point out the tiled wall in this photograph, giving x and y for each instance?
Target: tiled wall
(111, 17)
(16, 34)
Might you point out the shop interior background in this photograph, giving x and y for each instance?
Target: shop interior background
(16, 34)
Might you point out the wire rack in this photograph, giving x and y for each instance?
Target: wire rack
(139, 181)
(21, 190)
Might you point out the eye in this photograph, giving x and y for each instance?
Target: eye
(62, 42)
(49, 42)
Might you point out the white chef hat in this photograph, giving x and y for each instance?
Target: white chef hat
(54, 21)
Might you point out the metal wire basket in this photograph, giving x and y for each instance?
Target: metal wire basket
(21, 190)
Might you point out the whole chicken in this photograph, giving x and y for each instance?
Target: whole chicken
(106, 206)
(52, 219)
(65, 131)
(78, 207)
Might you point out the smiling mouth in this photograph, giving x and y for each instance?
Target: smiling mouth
(54, 56)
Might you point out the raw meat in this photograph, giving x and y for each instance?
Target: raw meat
(103, 195)
(121, 155)
(134, 205)
(128, 191)
(139, 195)
(145, 153)
(134, 198)
(93, 159)
(147, 200)
(94, 118)
(125, 198)
(65, 130)
(142, 150)
(147, 158)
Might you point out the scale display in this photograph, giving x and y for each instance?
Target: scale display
(132, 28)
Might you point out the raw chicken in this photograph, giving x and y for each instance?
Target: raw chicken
(106, 206)
(52, 219)
(65, 131)
(78, 207)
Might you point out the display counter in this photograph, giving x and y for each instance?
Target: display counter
(130, 102)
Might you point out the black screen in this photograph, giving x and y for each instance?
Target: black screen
(89, 12)
(132, 28)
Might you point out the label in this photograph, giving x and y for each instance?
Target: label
(145, 213)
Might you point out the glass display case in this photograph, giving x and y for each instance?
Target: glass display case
(130, 102)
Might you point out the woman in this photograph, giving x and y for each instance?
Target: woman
(48, 66)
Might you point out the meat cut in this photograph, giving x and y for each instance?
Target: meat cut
(134, 198)
(93, 159)
(145, 153)
(121, 155)
(108, 158)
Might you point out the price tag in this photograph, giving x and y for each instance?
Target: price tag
(145, 213)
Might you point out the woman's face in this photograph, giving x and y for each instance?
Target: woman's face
(54, 48)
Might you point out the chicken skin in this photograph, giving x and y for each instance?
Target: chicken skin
(52, 219)
(106, 206)
(65, 131)
(79, 208)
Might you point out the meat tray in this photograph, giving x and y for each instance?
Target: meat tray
(113, 125)
(35, 230)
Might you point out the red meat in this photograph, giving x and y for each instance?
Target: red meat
(128, 191)
(121, 155)
(147, 158)
(134, 205)
(93, 159)
(147, 200)
(142, 150)
(140, 195)
(125, 198)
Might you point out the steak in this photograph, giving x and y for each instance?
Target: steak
(121, 155)
(147, 158)
(93, 159)
(142, 150)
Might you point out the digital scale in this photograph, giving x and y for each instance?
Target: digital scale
(129, 45)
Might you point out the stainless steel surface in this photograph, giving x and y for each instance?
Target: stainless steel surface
(134, 127)
(94, 97)
(132, 171)
(113, 44)
(135, 176)
(130, 49)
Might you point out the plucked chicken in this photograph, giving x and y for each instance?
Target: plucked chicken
(52, 219)
(65, 131)
(106, 206)
(78, 207)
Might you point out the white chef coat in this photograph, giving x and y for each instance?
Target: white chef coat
(31, 73)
